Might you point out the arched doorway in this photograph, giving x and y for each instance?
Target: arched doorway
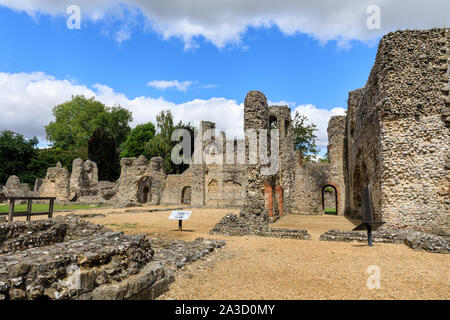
(145, 195)
(330, 199)
(145, 190)
(186, 195)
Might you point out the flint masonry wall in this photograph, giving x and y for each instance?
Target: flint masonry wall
(174, 186)
(337, 160)
(311, 178)
(140, 181)
(56, 183)
(398, 137)
(209, 181)
(256, 116)
(15, 188)
(284, 184)
(225, 185)
(83, 179)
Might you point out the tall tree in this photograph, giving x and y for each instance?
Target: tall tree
(304, 137)
(102, 150)
(49, 157)
(76, 120)
(134, 146)
(161, 144)
(16, 153)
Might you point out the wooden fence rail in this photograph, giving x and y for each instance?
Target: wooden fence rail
(11, 214)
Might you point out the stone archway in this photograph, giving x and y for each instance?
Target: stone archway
(330, 199)
(145, 190)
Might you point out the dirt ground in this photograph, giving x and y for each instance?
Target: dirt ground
(270, 268)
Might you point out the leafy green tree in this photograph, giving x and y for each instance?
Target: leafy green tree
(16, 153)
(49, 157)
(161, 144)
(76, 120)
(134, 146)
(304, 137)
(102, 150)
(180, 168)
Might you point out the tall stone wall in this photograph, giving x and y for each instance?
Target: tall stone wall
(311, 178)
(398, 139)
(286, 173)
(337, 160)
(256, 116)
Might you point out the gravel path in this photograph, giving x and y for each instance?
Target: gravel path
(269, 268)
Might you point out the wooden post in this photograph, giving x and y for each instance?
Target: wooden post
(29, 209)
(50, 208)
(11, 210)
(180, 225)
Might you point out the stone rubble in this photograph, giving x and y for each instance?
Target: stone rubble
(412, 238)
(250, 224)
(68, 258)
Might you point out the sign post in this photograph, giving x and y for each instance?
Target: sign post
(180, 216)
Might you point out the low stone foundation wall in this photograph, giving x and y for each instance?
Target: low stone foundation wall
(22, 235)
(73, 268)
(412, 238)
(68, 258)
(232, 225)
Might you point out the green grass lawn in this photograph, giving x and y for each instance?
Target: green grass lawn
(329, 211)
(38, 207)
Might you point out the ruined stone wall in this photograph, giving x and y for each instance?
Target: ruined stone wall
(364, 151)
(311, 178)
(174, 186)
(68, 258)
(140, 181)
(256, 116)
(84, 179)
(209, 181)
(286, 174)
(398, 139)
(337, 159)
(225, 185)
(416, 141)
(56, 183)
(15, 188)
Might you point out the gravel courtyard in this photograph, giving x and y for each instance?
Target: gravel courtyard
(270, 268)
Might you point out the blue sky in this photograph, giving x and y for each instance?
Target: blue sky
(309, 66)
(291, 68)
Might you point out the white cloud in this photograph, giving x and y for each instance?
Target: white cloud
(122, 35)
(320, 118)
(209, 86)
(28, 98)
(163, 84)
(225, 22)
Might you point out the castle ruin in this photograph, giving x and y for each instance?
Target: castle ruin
(394, 137)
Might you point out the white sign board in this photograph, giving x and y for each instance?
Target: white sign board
(180, 215)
